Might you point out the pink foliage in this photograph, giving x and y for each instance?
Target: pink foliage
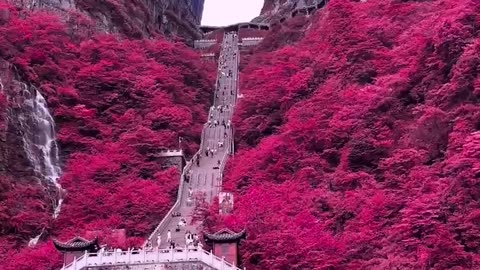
(116, 104)
(359, 140)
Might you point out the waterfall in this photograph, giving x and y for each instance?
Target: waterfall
(39, 140)
(30, 125)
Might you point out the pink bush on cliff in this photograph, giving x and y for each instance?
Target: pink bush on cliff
(359, 143)
(116, 104)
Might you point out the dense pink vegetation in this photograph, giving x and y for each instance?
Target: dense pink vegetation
(116, 103)
(359, 140)
(360, 143)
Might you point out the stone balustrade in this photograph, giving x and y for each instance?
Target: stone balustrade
(251, 41)
(204, 43)
(171, 153)
(115, 259)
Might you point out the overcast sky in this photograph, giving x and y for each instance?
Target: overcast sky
(226, 12)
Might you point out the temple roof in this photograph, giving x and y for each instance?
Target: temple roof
(76, 244)
(225, 235)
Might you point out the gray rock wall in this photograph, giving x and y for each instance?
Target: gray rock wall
(134, 18)
(275, 9)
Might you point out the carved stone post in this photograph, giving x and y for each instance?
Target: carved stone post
(86, 257)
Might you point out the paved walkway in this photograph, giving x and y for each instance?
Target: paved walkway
(204, 178)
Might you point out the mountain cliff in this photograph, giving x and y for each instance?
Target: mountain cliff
(274, 10)
(137, 19)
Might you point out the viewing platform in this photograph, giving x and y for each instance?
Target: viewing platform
(251, 41)
(204, 43)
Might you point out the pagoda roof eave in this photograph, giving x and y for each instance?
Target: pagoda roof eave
(76, 244)
(225, 235)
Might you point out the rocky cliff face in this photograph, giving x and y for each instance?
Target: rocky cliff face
(137, 18)
(276, 9)
(23, 168)
(12, 161)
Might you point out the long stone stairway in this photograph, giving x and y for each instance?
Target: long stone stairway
(205, 177)
(200, 182)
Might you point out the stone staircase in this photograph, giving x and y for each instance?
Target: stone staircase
(206, 176)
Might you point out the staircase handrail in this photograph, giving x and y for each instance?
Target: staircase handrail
(75, 261)
(180, 190)
(225, 157)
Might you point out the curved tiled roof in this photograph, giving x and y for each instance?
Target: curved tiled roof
(76, 244)
(225, 235)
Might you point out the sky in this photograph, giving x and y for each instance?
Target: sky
(226, 12)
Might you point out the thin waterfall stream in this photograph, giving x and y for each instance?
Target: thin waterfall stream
(28, 119)
(39, 141)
